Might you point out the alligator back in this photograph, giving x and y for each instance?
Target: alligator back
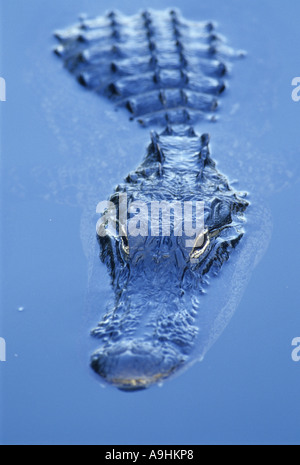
(169, 72)
(160, 67)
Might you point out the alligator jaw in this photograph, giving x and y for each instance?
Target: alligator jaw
(136, 365)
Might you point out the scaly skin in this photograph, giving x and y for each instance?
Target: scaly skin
(165, 71)
(152, 329)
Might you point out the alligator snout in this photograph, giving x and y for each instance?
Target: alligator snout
(135, 365)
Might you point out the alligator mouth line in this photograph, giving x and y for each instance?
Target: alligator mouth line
(138, 384)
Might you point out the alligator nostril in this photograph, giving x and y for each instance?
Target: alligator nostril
(138, 366)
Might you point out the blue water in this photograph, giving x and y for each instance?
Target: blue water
(57, 159)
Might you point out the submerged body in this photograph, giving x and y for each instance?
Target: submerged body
(165, 71)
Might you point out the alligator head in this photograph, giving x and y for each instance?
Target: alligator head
(158, 271)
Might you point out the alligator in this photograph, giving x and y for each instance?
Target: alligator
(167, 72)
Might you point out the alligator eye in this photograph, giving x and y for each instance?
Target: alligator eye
(201, 243)
(125, 245)
(124, 239)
